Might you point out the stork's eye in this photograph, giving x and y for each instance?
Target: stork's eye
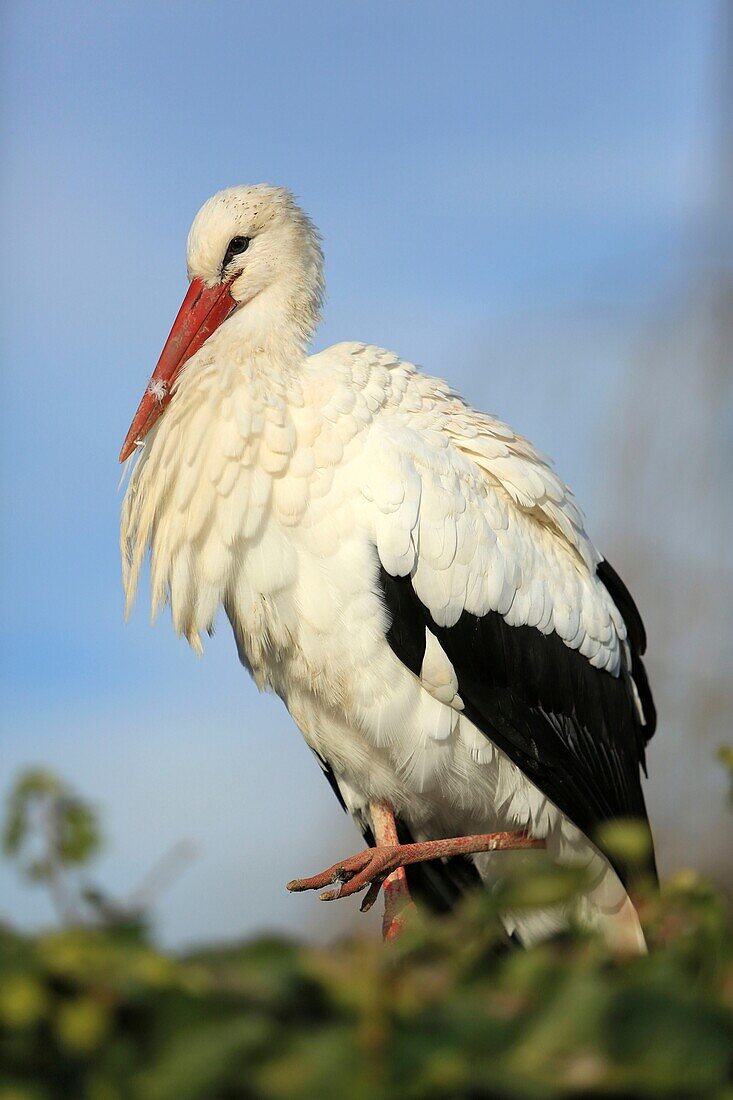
(236, 246)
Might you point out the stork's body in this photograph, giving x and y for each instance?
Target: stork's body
(407, 574)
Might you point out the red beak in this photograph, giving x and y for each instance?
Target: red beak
(201, 313)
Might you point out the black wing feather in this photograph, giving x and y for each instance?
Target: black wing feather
(621, 596)
(574, 730)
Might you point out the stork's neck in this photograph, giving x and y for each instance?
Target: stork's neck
(278, 322)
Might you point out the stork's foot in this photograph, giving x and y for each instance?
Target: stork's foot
(371, 867)
(368, 868)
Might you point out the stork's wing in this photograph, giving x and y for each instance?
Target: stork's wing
(481, 544)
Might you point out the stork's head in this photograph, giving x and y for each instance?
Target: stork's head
(251, 252)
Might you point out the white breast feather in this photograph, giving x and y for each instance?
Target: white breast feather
(356, 440)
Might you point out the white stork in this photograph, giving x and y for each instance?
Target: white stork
(409, 575)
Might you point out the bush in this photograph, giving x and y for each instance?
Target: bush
(448, 1011)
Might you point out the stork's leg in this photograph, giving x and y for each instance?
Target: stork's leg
(386, 863)
(397, 900)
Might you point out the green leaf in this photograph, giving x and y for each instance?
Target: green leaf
(79, 833)
(725, 756)
(626, 839)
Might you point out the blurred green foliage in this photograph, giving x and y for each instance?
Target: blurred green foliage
(446, 1012)
(725, 755)
(68, 825)
(50, 832)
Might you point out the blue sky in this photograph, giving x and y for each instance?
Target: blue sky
(477, 170)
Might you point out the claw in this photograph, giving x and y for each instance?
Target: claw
(372, 894)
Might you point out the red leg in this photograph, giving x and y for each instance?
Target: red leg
(386, 863)
(397, 900)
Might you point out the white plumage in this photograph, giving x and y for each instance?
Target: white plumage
(276, 484)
